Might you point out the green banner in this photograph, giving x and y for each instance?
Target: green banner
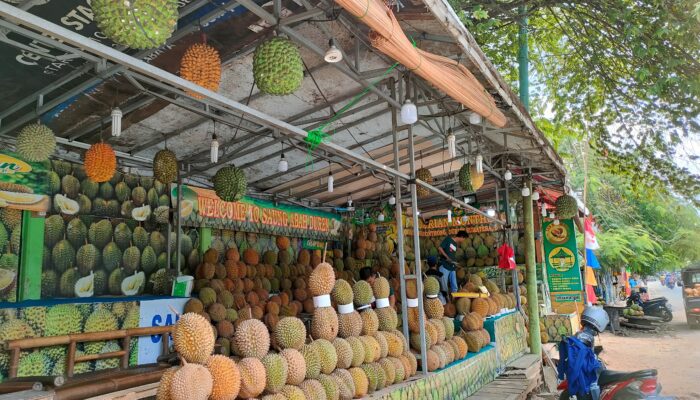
(312, 244)
(202, 207)
(563, 274)
(568, 297)
(23, 185)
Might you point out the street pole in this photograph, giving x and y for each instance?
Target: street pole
(523, 60)
(531, 277)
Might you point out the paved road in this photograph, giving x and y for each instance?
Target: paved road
(676, 353)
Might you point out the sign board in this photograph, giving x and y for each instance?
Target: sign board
(202, 207)
(563, 273)
(23, 184)
(311, 244)
(574, 297)
(439, 226)
(157, 313)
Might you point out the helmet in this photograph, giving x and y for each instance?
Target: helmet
(596, 317)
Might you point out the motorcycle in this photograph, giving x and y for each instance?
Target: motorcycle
(611, 385)
(657, 307)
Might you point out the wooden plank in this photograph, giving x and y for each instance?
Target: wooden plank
(550, 378)
(138, 392)
(524, 362)
(28, 395)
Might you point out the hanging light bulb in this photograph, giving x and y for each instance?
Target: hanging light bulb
(544, 210)
(535, 195)
(380, 217)
(392, 200)
(418, 212)
(117, 121)
(551, 215)
(508, 175)
(331, 180)
(464, 219)
(409, 113)
(333, 54)
(449, 216)
(526, 190)
(556, 221)
(214, 154)
(474, 118)
(491, 212)
(452, 144)
(283, 164)
(479, 163)
(349, 201)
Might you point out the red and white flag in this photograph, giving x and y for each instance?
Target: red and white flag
(591, 229)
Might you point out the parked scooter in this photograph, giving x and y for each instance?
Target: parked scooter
(657, 307)
(611, 385)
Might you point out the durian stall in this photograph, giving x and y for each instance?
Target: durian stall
(224, 170)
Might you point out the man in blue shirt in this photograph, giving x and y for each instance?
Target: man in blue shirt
(448, 257)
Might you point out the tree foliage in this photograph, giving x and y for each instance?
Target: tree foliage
(648, 231)
(621, 74)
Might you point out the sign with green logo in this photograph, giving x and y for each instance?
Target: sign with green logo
(311, 244)
(563, 274)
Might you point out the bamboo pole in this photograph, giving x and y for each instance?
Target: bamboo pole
(531, 269)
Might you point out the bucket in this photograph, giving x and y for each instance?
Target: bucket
(182, 287)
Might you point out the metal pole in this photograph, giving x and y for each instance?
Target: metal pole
(531, 268)
(399, 219)
(416, 248)
(178, 237)
(523, 61)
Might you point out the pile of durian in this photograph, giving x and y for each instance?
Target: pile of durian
(343, 357)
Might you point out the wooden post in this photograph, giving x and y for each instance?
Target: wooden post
(126, 344)
(531, 277)
(70, 359)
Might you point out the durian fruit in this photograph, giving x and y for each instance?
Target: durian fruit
(358, 351)
(360, 380)
(33, 364)
(226, 377)
(389, 370)
(275, 372)
(296, 366)
(465, 181)
(165, 166)
(362, 293)
(321, 280)
(36, 142)
(346, 387)
(424, 175)
(399, 370)
(100, 162)
(230, 183)
(312, 359)
(566, 206)
(433, 308)
(342, 292)
(449, 326)
(252, 339)
(371, 347)
(476, 177)
(344, 353)
(201, 64)
(139, 24)
(349, 324)
(191, 382)
(293, 392)
(253, 377)
(370, 322)
(330, 386)
(277, 66)
(324, 324)
(480, 306)
(327, 355)
(372, 376)
(163, 392)
(290, 333)
(193, 338)
(313, 390)
(395, 343)
(463, 305)
(431, 286)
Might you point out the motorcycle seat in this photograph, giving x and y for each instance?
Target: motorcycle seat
(656, 300)
(607, 376)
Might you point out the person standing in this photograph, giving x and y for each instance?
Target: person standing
(448, 260)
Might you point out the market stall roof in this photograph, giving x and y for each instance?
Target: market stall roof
(73, 90)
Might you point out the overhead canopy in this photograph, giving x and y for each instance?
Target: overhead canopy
(73, 91)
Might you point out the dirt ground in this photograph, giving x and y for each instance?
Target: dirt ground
(674, 352)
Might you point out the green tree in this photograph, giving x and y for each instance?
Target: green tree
(621, 74)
